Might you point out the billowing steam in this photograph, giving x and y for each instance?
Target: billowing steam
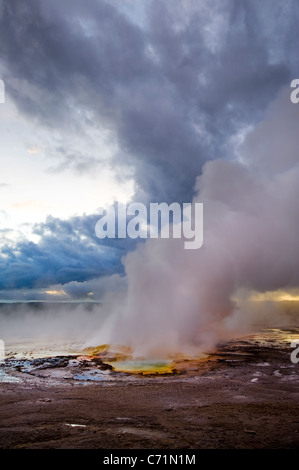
(181, 300)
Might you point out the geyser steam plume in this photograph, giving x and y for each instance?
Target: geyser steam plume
(180, 300)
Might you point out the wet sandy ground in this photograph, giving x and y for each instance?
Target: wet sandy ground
(245, 396)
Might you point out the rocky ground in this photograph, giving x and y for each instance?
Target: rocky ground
(243, 396)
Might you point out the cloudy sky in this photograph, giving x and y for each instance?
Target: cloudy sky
(126, 100)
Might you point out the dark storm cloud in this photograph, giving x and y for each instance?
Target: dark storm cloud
(68, 250)
(171, 99)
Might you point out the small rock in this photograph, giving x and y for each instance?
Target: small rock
(257, 374)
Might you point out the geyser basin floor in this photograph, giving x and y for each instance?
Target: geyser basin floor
(244, 396)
